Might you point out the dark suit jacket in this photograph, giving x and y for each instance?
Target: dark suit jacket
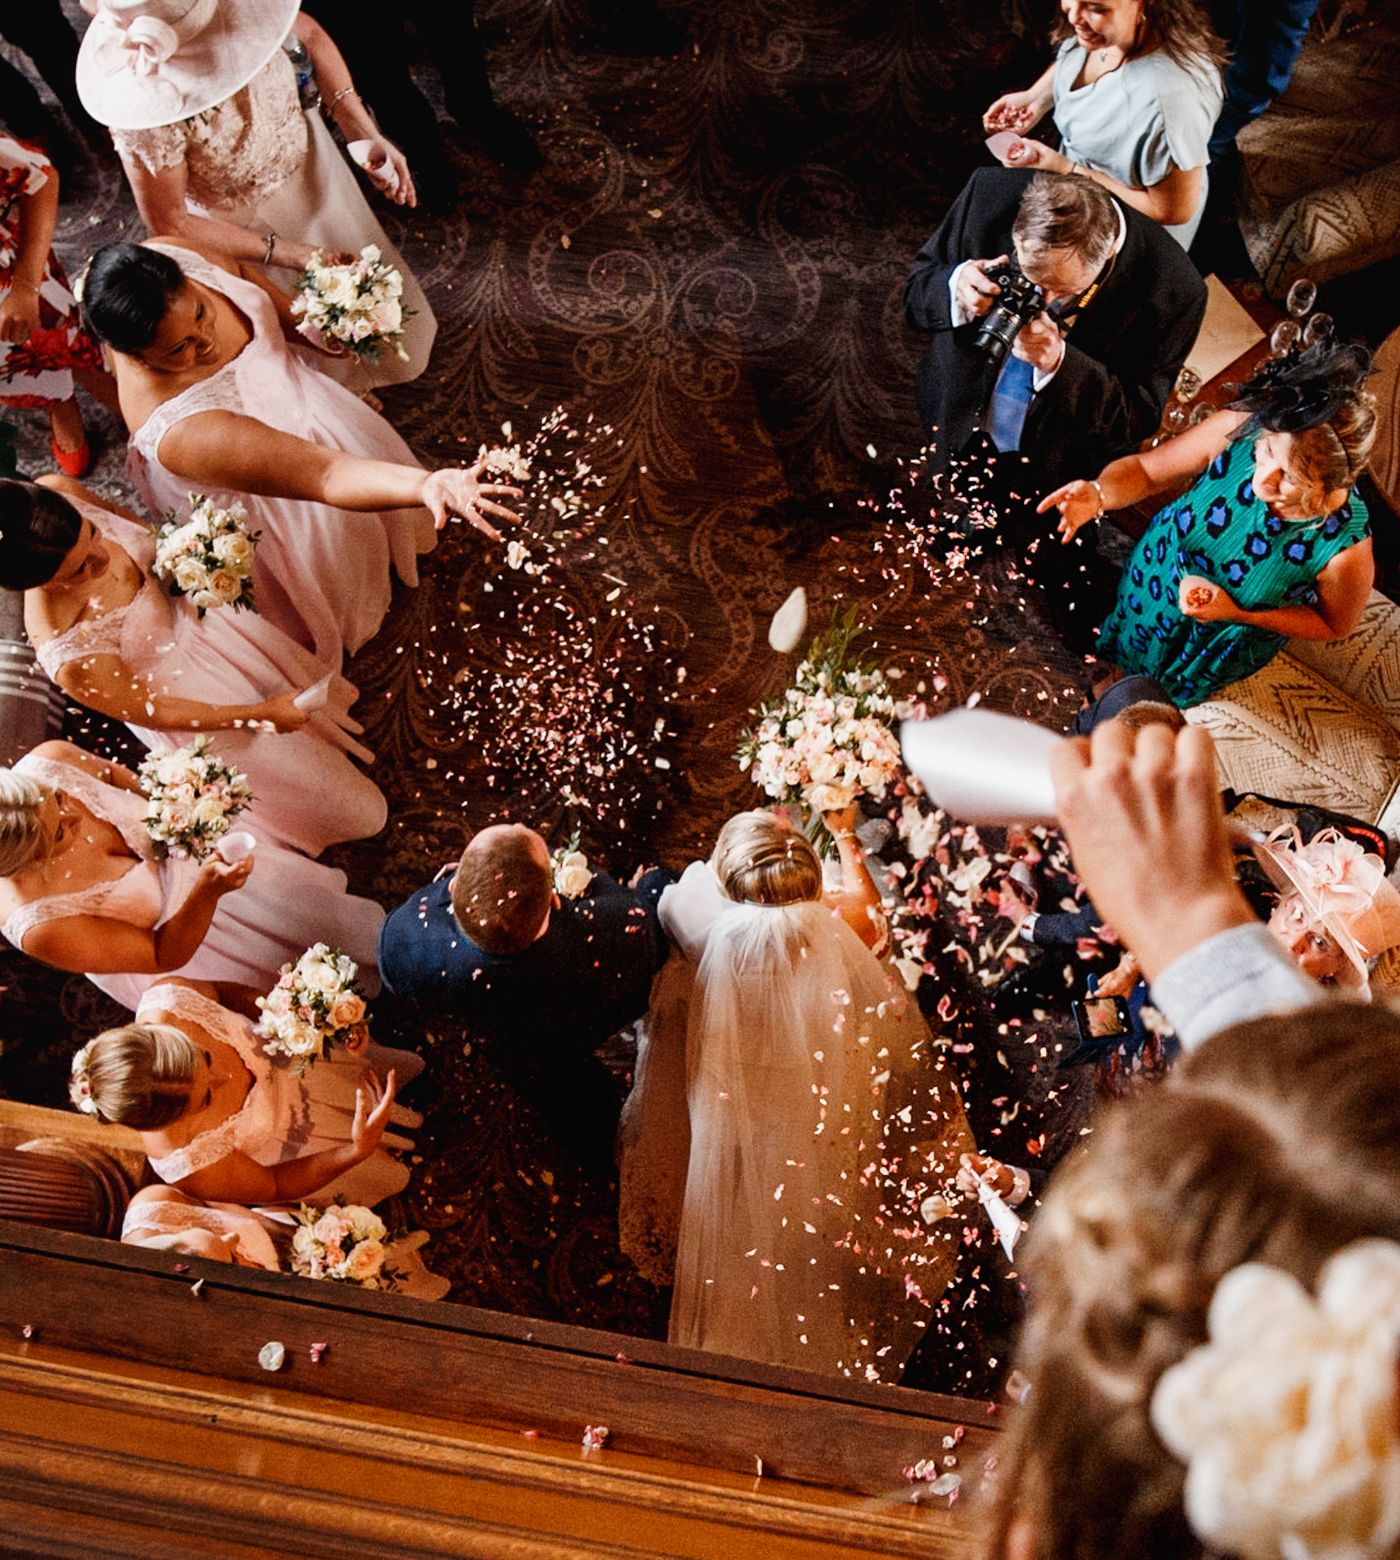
(1122, 354)
(587, 977)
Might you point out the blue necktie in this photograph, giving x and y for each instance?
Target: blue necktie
(1011, 400)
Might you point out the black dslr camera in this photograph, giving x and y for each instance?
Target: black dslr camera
(1019, 300)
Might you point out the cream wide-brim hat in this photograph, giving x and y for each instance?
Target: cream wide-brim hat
(145, 63)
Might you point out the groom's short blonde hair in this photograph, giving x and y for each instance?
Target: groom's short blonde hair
(501, 891)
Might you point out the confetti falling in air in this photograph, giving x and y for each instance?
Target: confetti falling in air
(595, 1437)
(565, 695)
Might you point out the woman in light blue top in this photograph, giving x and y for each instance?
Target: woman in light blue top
(1136, 91)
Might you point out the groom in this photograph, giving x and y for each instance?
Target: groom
(541, 981)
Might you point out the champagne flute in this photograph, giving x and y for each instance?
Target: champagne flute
(1204, 410)
(1285, 337)
(1301, 297)
(1318, 329)
(1174, 419)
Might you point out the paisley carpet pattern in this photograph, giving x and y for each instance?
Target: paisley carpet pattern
(710, 266)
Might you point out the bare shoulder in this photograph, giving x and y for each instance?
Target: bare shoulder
(204, 251)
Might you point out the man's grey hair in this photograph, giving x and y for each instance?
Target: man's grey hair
(1065, 211)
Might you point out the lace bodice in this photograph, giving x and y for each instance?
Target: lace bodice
(137, 897)
(248, 1122)
(147, 1220)
(151, 613)
(237, 154)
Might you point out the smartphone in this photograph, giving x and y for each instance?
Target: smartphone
(1097, 1018)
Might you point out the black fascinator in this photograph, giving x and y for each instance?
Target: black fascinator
(1305, 389)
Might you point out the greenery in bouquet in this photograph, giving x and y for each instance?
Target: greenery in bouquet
(207, 556)
(192, 796)
(313, 1005)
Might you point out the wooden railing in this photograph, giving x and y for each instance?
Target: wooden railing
(136, 1419)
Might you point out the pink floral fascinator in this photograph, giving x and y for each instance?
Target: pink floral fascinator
(1345, 889)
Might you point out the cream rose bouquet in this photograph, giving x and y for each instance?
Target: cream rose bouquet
(572, 874)
(830, 738)
(342, 1244)
(358, 304)
(192, 796)
(313, 1004)
(208, 556)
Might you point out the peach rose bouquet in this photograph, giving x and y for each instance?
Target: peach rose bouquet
(313, 1005)
(342, 1244)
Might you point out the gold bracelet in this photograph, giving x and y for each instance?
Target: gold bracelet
(343, 93)
(1103, 505)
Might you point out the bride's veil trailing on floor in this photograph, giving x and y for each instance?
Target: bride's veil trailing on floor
(820, 1121)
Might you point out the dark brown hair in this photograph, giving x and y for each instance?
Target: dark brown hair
(501, 892)
(1181, 29)
(1278, 1141)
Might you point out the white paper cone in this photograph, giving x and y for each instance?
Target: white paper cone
(983, 768)
(382, 175)
(789, 623)
(1004, 1222)
(314, 697)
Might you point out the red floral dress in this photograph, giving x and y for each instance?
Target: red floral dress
(37, 371)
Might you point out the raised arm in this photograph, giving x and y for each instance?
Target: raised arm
(226, 450)
(107, 684)
(1124, 482)
(237, 1178)
(857, 900)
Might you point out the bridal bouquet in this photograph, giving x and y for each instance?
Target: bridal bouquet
(830, 738)
(313, 1004)
(358, 304)
(342, 1244)
(208, 557)
(192, 796)
(572, 874)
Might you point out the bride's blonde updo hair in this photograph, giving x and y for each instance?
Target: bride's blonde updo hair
(138, 1075)
(1277, 1142)
(23, 837)
(760, 859)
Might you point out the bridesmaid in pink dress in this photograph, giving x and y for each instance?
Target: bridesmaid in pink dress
(223, 1120)
(113, 638)
(217, 398)
(82, 889)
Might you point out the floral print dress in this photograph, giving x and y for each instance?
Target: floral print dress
(37, 371)
(1220, 530)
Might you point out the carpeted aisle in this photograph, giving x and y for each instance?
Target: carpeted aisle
(710, 268)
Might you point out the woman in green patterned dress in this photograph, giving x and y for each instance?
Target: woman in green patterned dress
(1269, 543)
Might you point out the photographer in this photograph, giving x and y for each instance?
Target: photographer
(1088, 371)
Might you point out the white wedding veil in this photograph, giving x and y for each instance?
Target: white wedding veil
(821, 1117)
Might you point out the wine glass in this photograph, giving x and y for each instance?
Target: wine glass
(1301, 297)
(1285, 337)
(1174, 419)
(1188, 384)
(1318, 328)
(1204, 410)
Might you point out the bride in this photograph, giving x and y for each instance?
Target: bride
(113, 638)
(790, 1117)
(219, 394)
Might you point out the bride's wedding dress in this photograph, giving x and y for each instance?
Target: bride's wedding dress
(791, 1117)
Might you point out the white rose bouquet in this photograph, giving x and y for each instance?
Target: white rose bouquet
(358, 304)
(343, 1244)
(313, 1004)
(192, 796)
(830, 738)
(572, 874)
(209, 556)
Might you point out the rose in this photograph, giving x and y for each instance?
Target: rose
(331, 1228)
(823, 768)
(335, 287)
(387, 317)
(304, 1242)
(574, 876)
(320, 976)
(225, 585)
(203, 600)
(233, 549)
(365, 1261)
(346, 1010)
(827, 798)
(209, 809)
(190, 575)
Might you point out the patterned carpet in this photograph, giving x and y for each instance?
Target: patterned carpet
(710, 266)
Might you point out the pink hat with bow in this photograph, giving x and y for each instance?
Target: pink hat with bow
(1344, 888)
(145, 63)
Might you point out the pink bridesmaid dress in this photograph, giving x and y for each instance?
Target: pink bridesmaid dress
(287, 904)
(321, 574)
(309, 794)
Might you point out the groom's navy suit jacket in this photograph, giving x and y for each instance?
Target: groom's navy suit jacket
(588, 976)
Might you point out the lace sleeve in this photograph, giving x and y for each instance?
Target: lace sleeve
(201, 1152)
(54, 907)
(99, 636)
(163, 147)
